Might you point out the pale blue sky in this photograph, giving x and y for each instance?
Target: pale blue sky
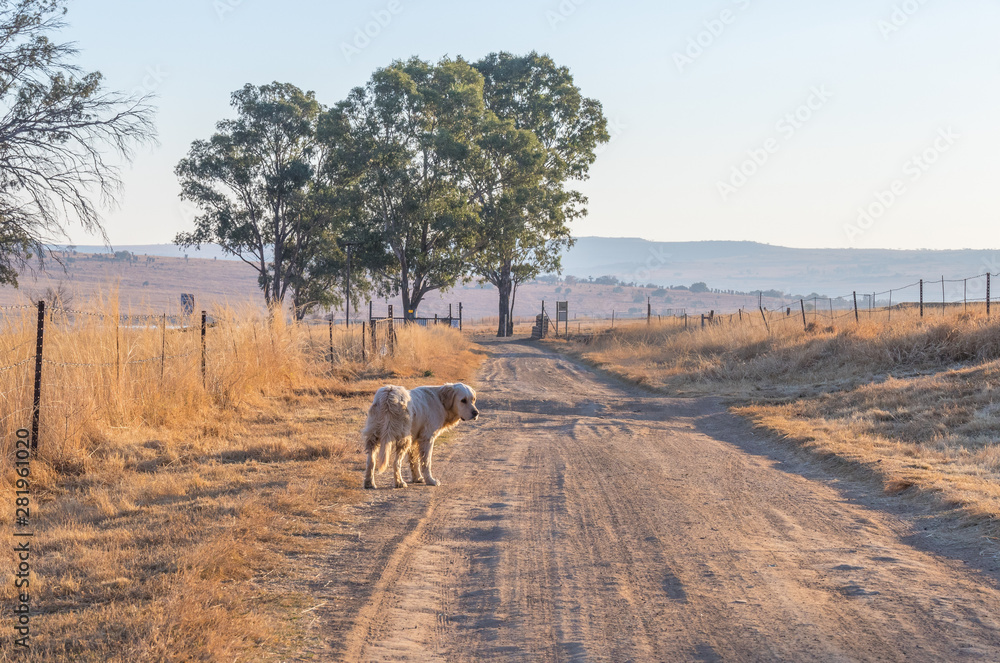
(878, 99)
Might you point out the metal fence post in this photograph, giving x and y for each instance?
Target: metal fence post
(856, 318)
(163, 347)
(36, 407)
(331, 339)
(204, 353)
(987, 296)
(921, 298)
(802, 304)
(364, 352)
(392, 333)
(944, 299)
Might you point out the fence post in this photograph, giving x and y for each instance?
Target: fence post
(460, 316)
(649, 311)
(392, 333)
(612, 315)
(204, 354)
(987, 296)
(760, 305)
(856, 318)
(364, 351)
(36, 407)
(921, 298)
(331, 339)
(163, 346)
(702, 320)
(685, 320)
(802, 304)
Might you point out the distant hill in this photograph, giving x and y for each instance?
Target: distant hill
(747, 266)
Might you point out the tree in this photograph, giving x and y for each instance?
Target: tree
(529, 234)
(253, 182)
(701, 286)
(60, 131)
(396, 145)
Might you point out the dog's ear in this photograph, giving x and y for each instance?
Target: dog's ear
(447, 395)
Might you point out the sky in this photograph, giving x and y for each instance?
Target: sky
(860, 123)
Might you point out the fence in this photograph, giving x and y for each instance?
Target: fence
(59, 366)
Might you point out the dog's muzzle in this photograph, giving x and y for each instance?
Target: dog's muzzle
(475, 414)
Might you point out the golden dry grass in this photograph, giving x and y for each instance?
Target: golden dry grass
(168, 514)
(910, 401)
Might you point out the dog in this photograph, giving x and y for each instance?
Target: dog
(402, 421)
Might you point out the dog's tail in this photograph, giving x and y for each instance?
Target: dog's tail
(388, 422)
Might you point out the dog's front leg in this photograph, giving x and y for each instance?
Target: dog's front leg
(415, 474)
(426, 449)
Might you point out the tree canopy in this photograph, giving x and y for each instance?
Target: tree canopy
(434, 172)
(396, 148)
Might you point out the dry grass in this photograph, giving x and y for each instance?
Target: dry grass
(168, 514)
(911, 401)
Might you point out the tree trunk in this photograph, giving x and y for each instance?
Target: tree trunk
(510, 316)
(503, 284)
(503, 326)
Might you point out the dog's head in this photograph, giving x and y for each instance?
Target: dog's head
(460, 400)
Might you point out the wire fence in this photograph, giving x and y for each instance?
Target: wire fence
(59, 366)
(923, 297)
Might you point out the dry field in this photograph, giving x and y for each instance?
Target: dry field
(909, 402)
(169, 516)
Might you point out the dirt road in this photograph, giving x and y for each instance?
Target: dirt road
(581, 520)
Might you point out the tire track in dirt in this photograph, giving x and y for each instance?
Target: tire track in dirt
(582, 520)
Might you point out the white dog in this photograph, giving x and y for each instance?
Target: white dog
(398, 418)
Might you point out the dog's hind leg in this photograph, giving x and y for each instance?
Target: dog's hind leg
(416, 475)
(372, 447)
(397, 465)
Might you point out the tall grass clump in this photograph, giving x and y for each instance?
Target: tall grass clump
(108, 369)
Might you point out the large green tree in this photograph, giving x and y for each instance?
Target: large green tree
(397, 146)
(61, 133)
(255, 184)
(527, 234)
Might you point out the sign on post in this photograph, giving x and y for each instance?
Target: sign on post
(562, 315)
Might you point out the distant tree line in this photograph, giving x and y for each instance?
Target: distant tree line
(431, 174)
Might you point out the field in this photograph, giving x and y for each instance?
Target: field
(156, 283)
